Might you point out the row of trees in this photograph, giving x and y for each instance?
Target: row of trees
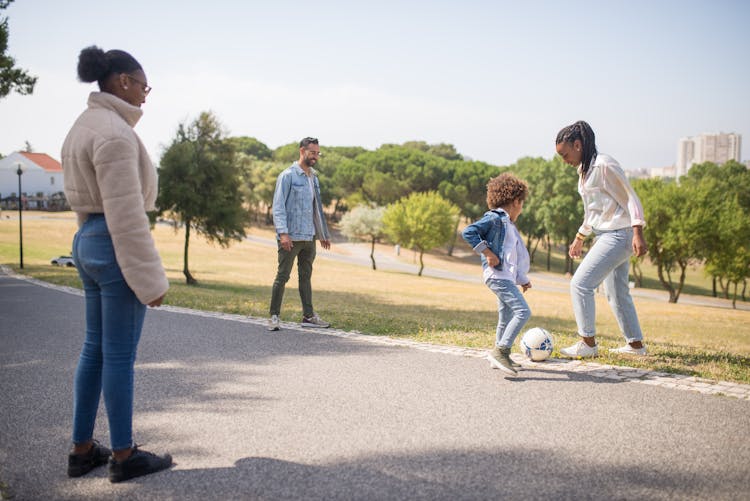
(703, 219)
(417, 195)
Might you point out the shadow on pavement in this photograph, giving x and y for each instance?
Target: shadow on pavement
(528, 473)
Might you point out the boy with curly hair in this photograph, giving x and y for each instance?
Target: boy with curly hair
(505, 262)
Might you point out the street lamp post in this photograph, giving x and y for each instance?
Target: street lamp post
(20, 213)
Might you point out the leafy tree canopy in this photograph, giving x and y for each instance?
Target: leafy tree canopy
(251, 147)
(11, 77)
(422, 221)
(199, 183)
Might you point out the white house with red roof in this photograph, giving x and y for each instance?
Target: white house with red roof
(41, 174)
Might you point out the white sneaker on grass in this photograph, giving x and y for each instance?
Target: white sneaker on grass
(580, 350)
(273, 323)
(629, 350)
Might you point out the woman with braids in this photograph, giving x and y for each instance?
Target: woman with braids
(110, 184)
(614, 215)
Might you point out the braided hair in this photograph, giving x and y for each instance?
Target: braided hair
(584, 133)
(95, 65)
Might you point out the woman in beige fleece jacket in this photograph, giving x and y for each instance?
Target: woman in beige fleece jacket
(111, 184)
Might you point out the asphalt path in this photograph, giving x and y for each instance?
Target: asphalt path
(300, 414)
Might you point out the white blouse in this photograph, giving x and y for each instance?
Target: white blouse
(609, 202)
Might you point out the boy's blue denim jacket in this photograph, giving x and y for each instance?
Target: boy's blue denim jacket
(488, 232)
(293, 205)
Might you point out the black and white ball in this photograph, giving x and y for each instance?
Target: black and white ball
(536, 344)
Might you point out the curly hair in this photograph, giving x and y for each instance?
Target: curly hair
(95, 65)
(504, 189)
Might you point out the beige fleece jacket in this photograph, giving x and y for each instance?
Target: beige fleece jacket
(107, 170)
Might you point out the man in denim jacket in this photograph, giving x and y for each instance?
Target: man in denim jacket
(299, 221)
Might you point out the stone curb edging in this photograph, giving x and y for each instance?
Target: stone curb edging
(611, 372)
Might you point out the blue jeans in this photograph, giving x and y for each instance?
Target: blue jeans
(607, 262)
(512, 311)
(114, 319)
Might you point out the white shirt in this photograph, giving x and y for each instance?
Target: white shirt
(515, 258)
(609, 202)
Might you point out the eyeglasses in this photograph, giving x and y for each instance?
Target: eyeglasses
(145, 87)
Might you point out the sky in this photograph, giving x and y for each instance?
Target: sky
(497, 79)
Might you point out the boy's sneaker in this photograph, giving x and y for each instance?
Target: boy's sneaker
(629, 350)
(580, 350)
(81, 464)
(273, 323)
(500, 359)
(314, 321)
(139, 463)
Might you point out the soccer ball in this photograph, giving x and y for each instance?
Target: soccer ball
(536, 344)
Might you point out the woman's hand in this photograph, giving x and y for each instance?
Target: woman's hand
(640, 247)
(156, 302)
(576, 248)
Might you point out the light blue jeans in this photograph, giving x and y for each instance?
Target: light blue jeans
(512, 311)
(607, 262)
(114, 319)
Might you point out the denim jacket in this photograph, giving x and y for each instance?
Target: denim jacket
(488, 232)
(293, 205)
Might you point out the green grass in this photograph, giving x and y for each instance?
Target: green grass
(701, 341)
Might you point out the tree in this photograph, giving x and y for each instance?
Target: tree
(287, 153)
(364, 222)
(669, 230)
(422, 221)
(730, 259)
(561, 212)
(199, 183)
(465, 185)
(539, 175)
(251, 147)
(258, 183)
(446, 151)
(724, 192)
(390, 173)
(11, 78)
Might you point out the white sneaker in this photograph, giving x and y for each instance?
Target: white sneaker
(580, 350)
(314, 321)
(629, 350)
(273, 323)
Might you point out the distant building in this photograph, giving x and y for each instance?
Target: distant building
(668, 171)
(716, 148)
(637, 173)
(41, 181)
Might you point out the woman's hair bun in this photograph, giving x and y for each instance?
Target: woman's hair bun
(92, 64)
